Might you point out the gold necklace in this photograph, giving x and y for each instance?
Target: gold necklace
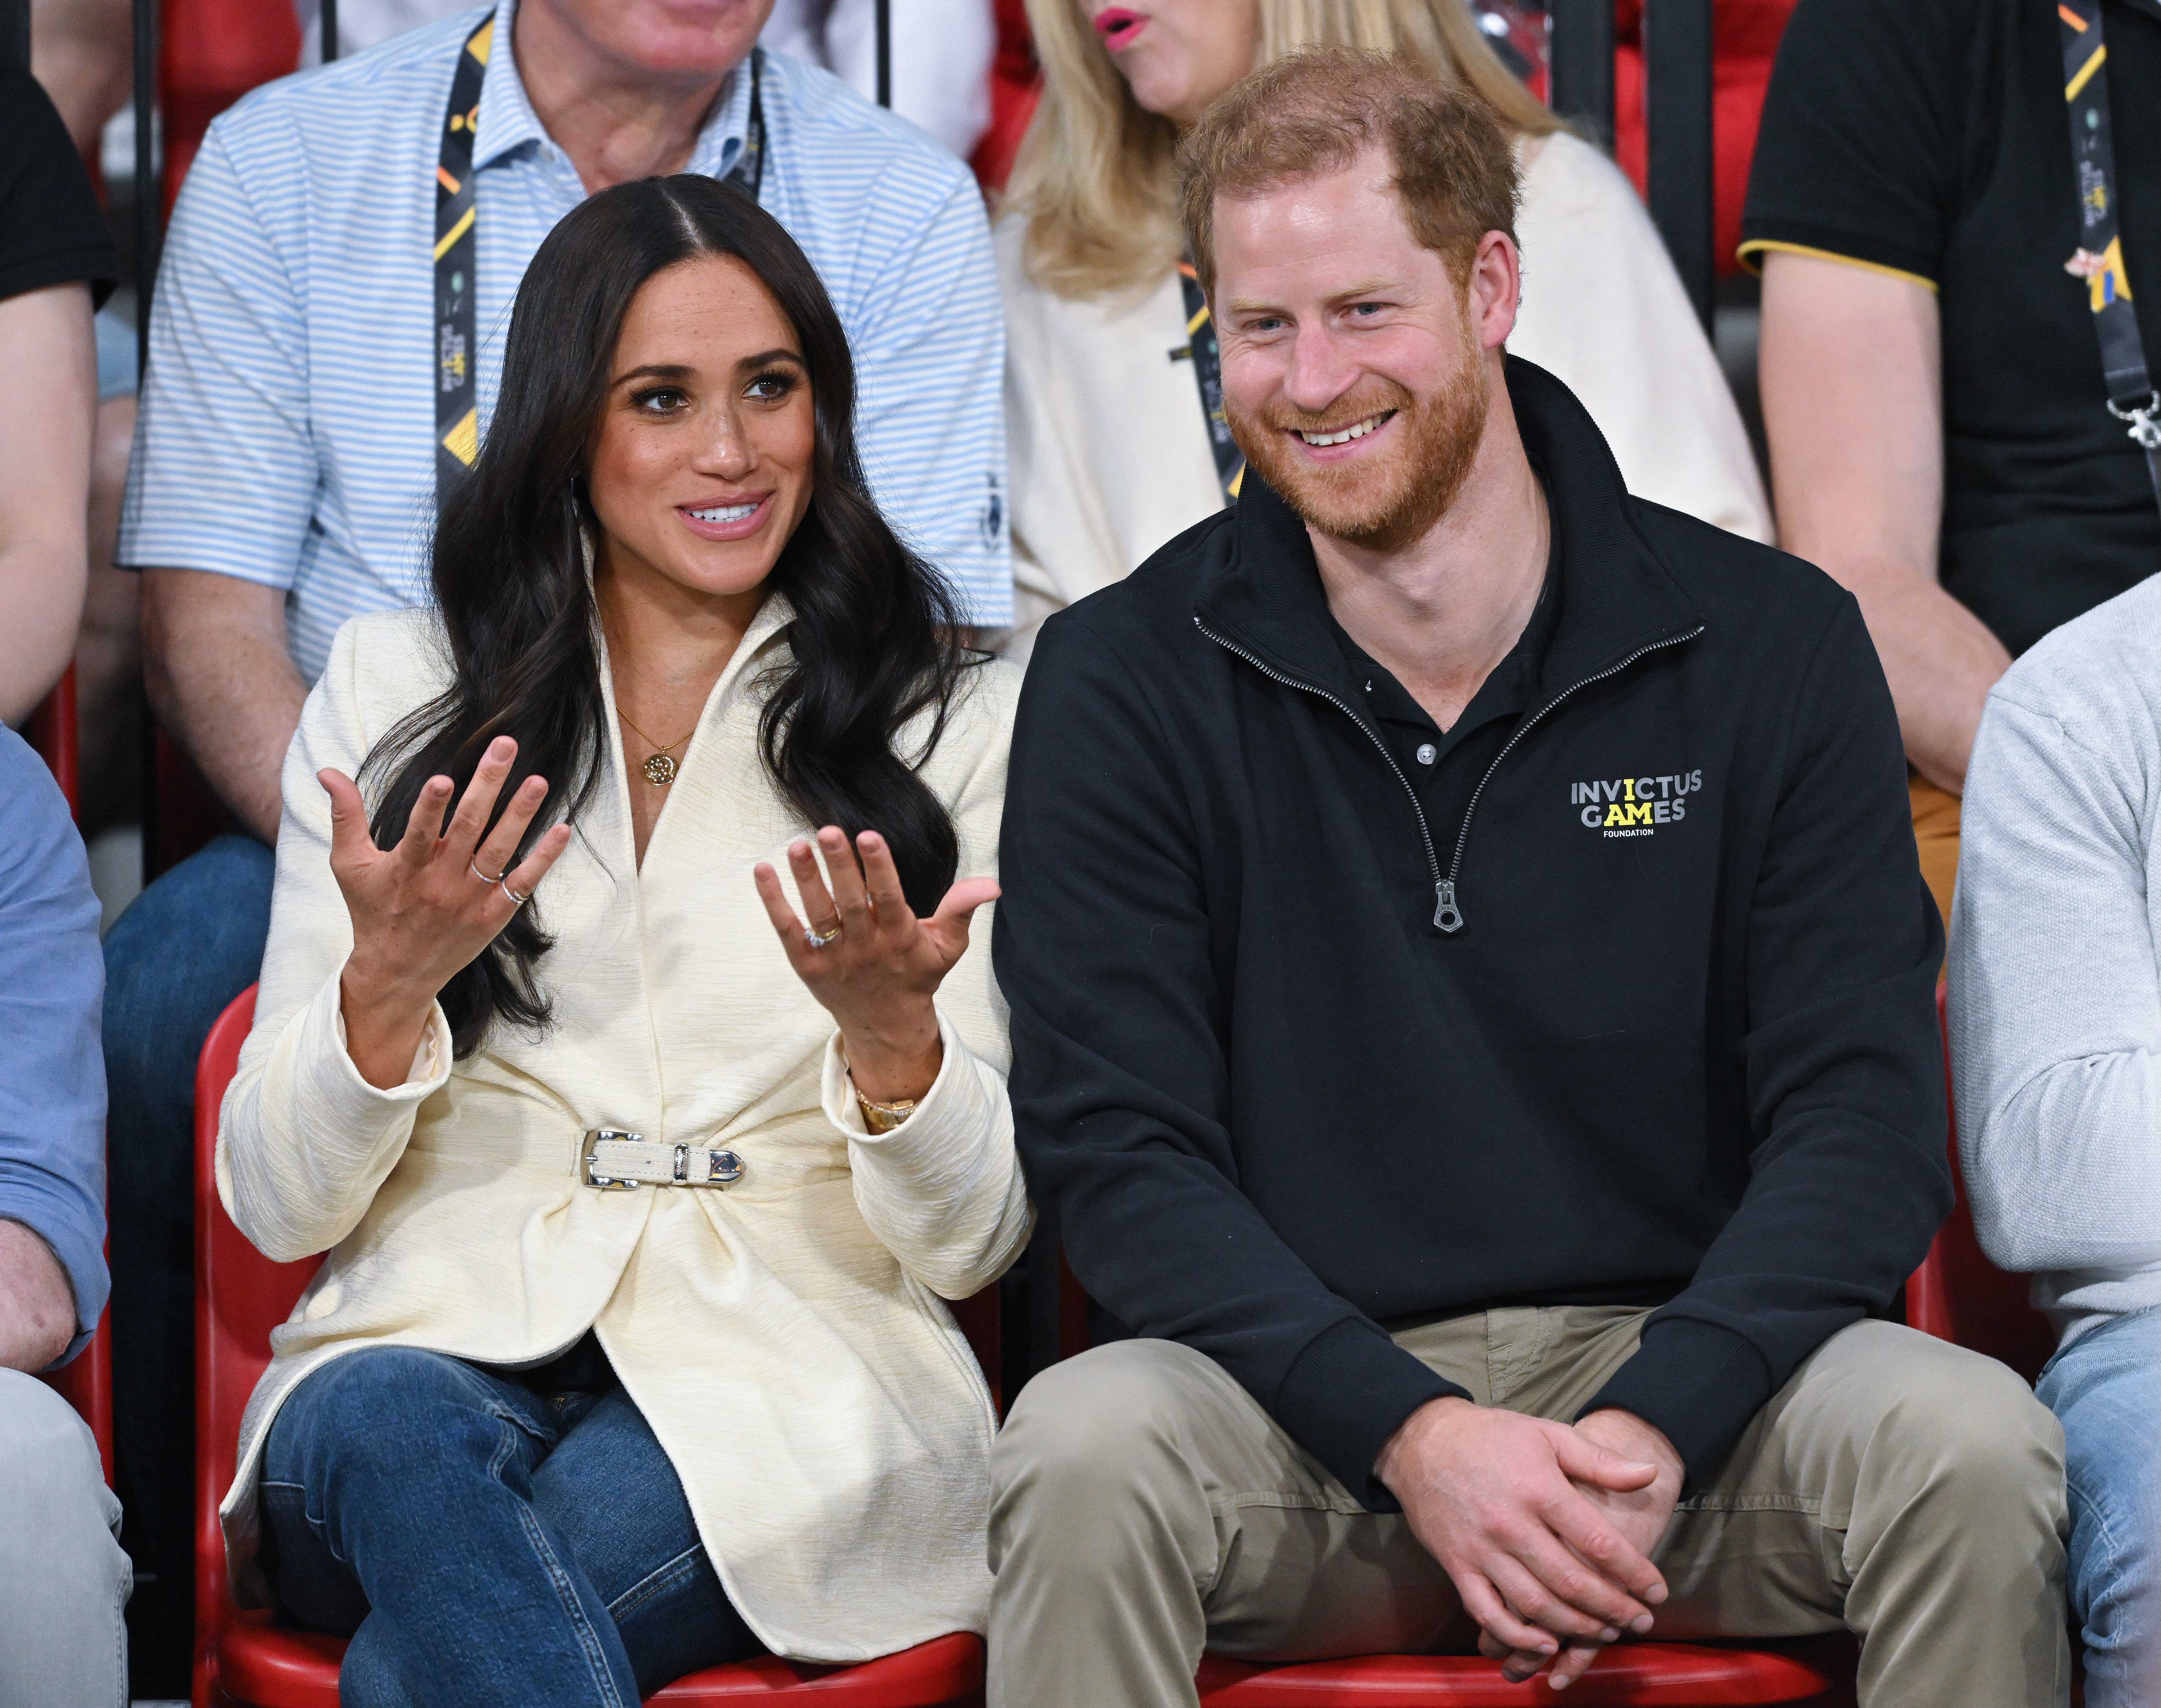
(658, 768)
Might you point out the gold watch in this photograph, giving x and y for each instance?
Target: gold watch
(883, 1117)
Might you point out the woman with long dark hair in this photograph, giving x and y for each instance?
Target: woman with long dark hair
(641, 1179)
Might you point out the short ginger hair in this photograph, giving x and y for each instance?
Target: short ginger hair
(1316, 110)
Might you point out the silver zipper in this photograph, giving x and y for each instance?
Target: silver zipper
(1441, 890)
(1447, 914)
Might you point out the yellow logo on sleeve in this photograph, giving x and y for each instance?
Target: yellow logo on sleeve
(1634, 806)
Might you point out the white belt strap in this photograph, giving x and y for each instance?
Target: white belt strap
(615, 1161)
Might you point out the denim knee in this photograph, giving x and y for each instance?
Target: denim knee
(396, 1417)
(2105, 1387)
(187, 946)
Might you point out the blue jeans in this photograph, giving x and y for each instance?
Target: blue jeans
(486, 1535)
(2105, 1388)
(189, 944)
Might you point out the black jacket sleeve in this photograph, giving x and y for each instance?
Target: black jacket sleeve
(1120, 1077)
(1843, 1067)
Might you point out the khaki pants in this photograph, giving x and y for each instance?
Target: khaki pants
(1145, 1507)
(1935, 838)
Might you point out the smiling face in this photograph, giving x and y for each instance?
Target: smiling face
(1178, 55)
(1357, 371)
(699, 468)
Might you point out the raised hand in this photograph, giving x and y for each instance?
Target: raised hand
(876, 966)
(1503, 1503)
(423, 908)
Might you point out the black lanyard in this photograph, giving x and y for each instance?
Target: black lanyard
(1200, 349)
(2131, 399)
(456, 382)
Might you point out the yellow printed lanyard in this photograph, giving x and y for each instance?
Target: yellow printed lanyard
(456, 382)
(2098, 259)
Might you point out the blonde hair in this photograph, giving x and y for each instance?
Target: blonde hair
(1097, 178)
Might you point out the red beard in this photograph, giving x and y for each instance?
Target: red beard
(1378, 502)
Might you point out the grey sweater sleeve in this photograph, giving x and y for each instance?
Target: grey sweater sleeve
(2055, 1001)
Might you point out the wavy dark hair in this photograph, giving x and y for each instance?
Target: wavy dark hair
(874, 639)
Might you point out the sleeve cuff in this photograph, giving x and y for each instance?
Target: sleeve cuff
(431, 1059)
(954, 1095)
(1698, 1383)
(1870, 255)
(1347, 1393)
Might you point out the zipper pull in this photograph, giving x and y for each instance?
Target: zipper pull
(1447, 916)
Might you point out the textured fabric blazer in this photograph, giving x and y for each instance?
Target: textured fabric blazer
(786, 1337)
(1108, 450)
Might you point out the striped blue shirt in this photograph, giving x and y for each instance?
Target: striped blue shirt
(287, 426)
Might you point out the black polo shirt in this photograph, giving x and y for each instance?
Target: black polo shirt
(1928, 138)
(52, 230)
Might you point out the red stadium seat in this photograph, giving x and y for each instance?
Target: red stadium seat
(1666, 1674)
(244, 1660)
(54, 733)
(1958, 1295)
(1746, 40)
(86, 1382)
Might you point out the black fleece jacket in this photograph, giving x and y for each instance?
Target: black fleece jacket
(1622, 990)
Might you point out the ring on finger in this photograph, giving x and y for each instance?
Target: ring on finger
(473, 867)
(502, 883)
(818, 940)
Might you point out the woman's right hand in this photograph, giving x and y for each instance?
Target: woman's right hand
(424, 907)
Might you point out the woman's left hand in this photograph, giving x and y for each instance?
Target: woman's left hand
(877, 977)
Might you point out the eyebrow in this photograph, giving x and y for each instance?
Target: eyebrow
(678, 370)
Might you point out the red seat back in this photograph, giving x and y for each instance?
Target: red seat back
(55, 732)
(1958, 1295)
(240, 1296)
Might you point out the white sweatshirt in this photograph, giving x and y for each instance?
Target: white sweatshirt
(2055, 993)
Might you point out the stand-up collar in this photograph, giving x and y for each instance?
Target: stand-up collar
(1616, 596)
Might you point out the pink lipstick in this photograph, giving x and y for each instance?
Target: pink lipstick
(727, 519)
(1117, 26)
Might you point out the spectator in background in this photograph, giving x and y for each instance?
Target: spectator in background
(63, 1577)
(56, 263)
(1110, 380)
(941, 50)
(80, 51)
(941, 57)
(1939, 436)
(289, 449)
(2055, 1022)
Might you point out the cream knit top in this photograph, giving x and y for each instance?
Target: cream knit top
(786, 1337)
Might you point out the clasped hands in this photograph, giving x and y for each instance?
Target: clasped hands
(1545, 1528)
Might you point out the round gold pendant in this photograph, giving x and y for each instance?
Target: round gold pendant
(659, 770)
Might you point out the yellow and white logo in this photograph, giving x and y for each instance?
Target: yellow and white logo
(1634, 806)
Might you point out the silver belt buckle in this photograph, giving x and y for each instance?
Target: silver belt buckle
(723, 1168)
(607, 1183)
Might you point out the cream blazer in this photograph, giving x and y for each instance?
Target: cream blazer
(786, 1337)
(1109, 457)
